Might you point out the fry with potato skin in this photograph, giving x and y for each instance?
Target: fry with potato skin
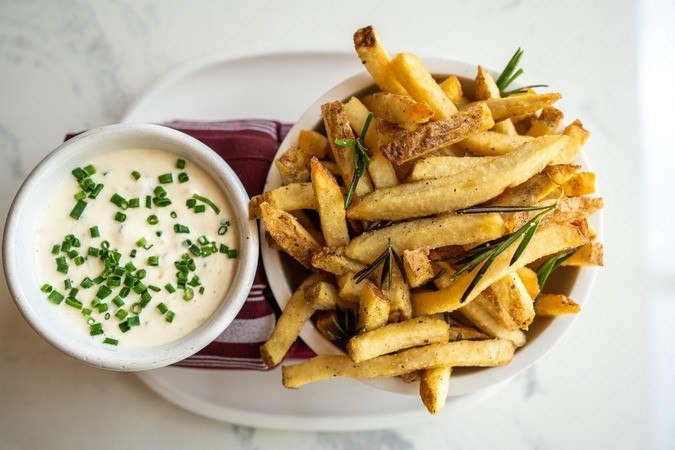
(440, 133)
(397, 336)
(434, 387)
(514, 105)
(494, 352)
(287, 232)
(374, 56)
(467, 188)
(330, 203)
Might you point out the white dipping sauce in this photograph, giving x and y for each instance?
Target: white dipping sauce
(215, 272)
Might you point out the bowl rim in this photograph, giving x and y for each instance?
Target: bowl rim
(463, 383)
(133, 359)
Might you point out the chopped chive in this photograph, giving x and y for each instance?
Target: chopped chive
(78, 209)
(173, 214)
(201, 290)
(183, 177)
(162, 308)
(165, 178)
(188, 294)
(153, 260)
(74, 303)
(121, 314)
(178, 228)
(135, 175)
(94, 231)
(199, 209)
(95, 329)
(223, 248)
(232, 253)
(224, 226)
(55, 297)
(152, 219)
(102, 307)
(141, 242)
(118, 301)
(180, 164)
(103, 291)
(93, 193)
(140, 274)
(89, 169)
(190, 203)
(80, 195)
(169, 287)
(148, 201)
(207, 201)
(46, 288)
(120, 216)
(56, 249)
(161, 202)
(67, 283)
(78, 173)
(160, 192)
(134, 321)
(134, 202)
(154, 288)
(110, 341)
(119, 201)
(124, 326)
(86, 283)
(170, 316)
(79, 260)
(132, 253)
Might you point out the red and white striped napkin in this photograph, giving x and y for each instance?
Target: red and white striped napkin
(249, 147)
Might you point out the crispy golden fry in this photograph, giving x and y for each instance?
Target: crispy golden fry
(399, 109)
(485, 86)
(529, 279)
(287, 329)
(459, 332)
(580, 184)
(330, 205)
(555, 305)
(293, 165)
(398, 295)
(375, 57)
(560, 173)
(478, 313)
(440, 133)
(443, 166)
(373, 308)
(548, 122)
(513, 295)
(531, 192)
(381, 171)
(578, 136)
(337, 127)
(397, 336)
(590, 254)
(494, 352)
(287, 232)
(333, 260)
(313, 143)
(492, 143)
(513, 105)
(420, 85)
(546, 241)
(325, 323)
(433, 232)
(291, 197)
(417, 266)
(467, 188)
(322, 295)
(349, 289)
(434, 387)
(452, 88)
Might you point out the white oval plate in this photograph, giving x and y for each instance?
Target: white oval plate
(228, 87)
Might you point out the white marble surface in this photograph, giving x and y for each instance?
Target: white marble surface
(73, 64)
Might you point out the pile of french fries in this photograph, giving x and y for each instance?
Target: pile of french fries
(435, 151)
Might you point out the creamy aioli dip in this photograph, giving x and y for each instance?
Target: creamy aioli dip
(215, 271)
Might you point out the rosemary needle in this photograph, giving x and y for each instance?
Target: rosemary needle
(361, 159)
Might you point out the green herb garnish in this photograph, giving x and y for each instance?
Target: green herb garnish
(385, 259)
(345, 325)
(552, 263)
(361, 159)
(510, 73)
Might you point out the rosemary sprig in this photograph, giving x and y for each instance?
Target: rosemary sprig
(385, 259)
(487, 253)
(552, 263)
(361, 159)
(510, 73)
(345, 324)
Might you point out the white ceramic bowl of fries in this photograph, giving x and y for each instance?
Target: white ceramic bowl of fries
(439, 297)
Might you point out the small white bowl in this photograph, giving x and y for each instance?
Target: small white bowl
(542, 335)
(20, 264)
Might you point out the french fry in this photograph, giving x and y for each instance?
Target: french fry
(479, 315)
(492, 143)
(337, 127)
(467, 188)
(287, 232)
(588, 255)
(420, 85)
(417, 266)
(555, 305)
(330, 205)
(440, 133)
(291, 197)
(434, 387)
(443, 166)
(313, 143)
(333, 260)
(580, 184)
(375, 57)
(513, 295)
(293, 166)
(546, 241)
(397, 336)
(578, 136)
(529, 279)
(399, 109)
(452, 88)
(373, 308)
(548, 122)
(322, 295)
(513, 105)
(433, 232)
(349, 289)
(494, 352)
(398, 295)
(287, 329)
